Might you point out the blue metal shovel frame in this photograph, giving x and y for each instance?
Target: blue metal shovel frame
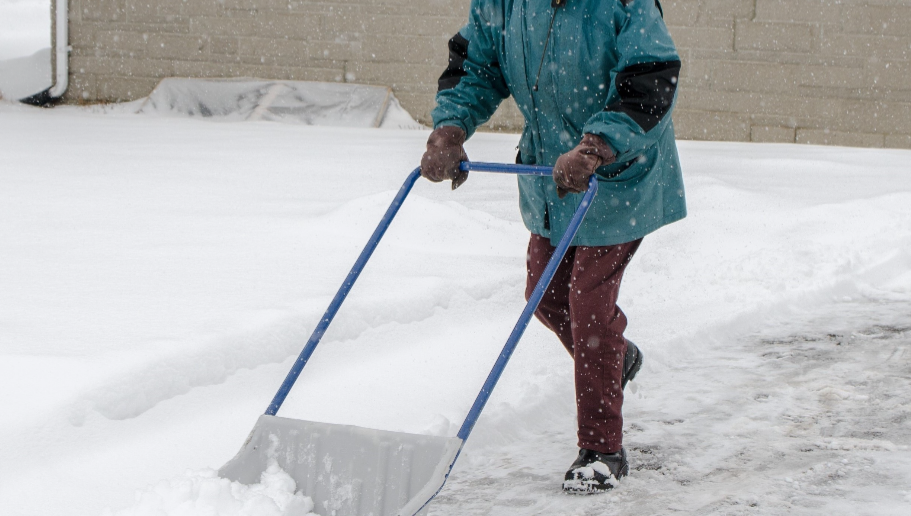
(508, 349)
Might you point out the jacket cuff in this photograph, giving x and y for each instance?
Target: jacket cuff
(454, 123)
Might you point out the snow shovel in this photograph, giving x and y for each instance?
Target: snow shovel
(352, 471)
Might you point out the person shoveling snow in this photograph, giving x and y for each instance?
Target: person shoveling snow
(607, 114)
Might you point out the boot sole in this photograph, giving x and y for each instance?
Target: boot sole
(634, 369)
(577, 490)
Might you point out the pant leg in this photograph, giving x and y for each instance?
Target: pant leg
(597, 325)
(553, 311)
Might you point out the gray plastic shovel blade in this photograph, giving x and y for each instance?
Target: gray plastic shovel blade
(347, 470)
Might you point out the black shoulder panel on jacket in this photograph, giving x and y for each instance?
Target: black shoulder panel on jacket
(458, 53)
(646, 92)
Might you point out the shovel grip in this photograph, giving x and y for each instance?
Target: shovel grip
(502, 168)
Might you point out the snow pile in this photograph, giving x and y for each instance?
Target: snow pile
(25, 27)
(25, 76)
(299, 102)
(204, 493)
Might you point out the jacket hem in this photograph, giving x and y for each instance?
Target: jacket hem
(618, 239)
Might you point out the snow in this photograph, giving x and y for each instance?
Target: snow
(203, 493)
(299, 102)
(25, 27)
(160, 274)
(24, 76)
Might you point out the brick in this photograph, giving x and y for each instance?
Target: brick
(759, 120)
(168, 11)
(102, 10)
(124, 89)
(752, 104)
(695, 73)
(880, 47)
(392, 74)
(408, 49)
(393, 25)
(772, 77)
(255, 71)
(779, 57)
(888, 96)
(809, 11)
(754, 77)
(121, 41)
(837, 76)
(180, 26)
(124, 67)
(337, 50)
(787, 37)
(772, 134)
(898, 141)
(285, 27)
(709, 21)
(728, 8)
(873, 116)
(265, 47)
(82, 87)
(679, 13)
(888, 74)
(889, 20)
(844, 139)
(703, 37)
(84, 37)
(295, 61)
(224, 45)
(707, 125)
(207, 70)
(223, 26)
(254, 5)
(174, 46)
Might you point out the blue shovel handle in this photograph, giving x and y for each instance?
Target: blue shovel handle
(378, 233)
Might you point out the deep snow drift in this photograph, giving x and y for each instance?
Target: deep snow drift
(159, 275)
(25, 27)
(24, 76)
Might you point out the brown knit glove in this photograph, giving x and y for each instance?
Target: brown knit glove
(572, 170)
(443, 156)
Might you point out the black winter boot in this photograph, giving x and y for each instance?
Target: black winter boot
(595, 472)
(632, 362)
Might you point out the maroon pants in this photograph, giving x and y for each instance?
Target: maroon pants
(580, 306)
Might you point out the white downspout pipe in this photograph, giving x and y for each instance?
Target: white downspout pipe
(63, 49)
(52, 95)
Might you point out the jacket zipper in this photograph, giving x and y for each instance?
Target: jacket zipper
(554, 4)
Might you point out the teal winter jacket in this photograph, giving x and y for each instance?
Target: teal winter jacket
(609, 68)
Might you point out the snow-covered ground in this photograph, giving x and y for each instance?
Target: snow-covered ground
(159, 275)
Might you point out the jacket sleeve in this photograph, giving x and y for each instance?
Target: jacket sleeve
(473, 86)
(643, 85)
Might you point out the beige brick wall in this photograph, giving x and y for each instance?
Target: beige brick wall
(122, 48)
(807, 71)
